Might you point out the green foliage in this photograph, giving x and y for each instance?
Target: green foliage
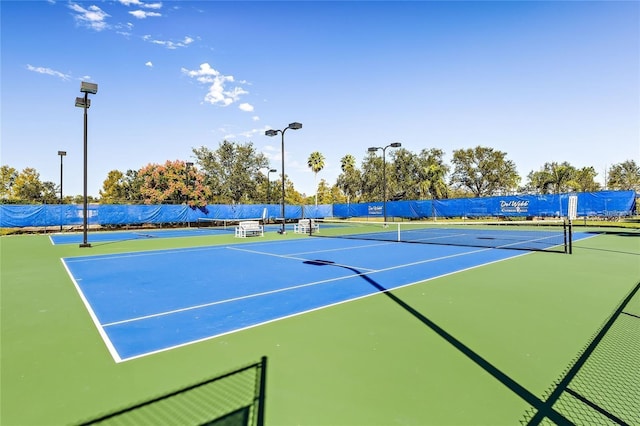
(8, 176)
(584, 180)
(316, 164)
(484, 171)
(27, 187)
(624, 176)
(562, 177)
(371, 189)
(350, 180)
(232, 172)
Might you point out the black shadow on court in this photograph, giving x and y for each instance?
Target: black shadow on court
(236, 398)
(503, 378)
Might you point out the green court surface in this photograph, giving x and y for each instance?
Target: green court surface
(527, 340)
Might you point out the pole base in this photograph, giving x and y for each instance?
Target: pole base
(281, 231)
(85, 245)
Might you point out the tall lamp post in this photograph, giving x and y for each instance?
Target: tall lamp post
(292, 126)
(85, 103)
(61, 154)
(187, 166)
(269, 185)
(384, 173)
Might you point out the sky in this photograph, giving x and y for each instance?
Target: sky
(542, 81)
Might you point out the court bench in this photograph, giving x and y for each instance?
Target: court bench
(303, 225)
(249, 228)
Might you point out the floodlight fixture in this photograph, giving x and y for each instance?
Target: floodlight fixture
(271, 132)
(82, 102)
(88, 88)
(295, 126)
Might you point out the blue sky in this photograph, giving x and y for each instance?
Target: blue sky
(541, 81)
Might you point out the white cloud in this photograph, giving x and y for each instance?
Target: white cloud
(149, 64)
(218, 93)
(48, 71)
(141, 14)
(93, 17)
(169, 44)
(255, 118)
(246, 107)
(138, 3)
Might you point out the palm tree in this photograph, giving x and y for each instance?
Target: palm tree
(349, 179)
(316, 163)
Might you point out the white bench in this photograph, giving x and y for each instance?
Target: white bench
(248, 228)
(303, 225)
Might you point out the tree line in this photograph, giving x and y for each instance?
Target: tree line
(235, 173)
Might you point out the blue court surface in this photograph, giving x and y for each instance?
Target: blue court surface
(146, 302)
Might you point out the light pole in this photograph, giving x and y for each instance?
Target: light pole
(384, 173)
(269, 185)
(85, 103)
(61, 154)
(187, 166)
(293, 126)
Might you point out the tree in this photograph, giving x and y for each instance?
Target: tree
(8, 176)
(484, 171)
(173, 183)
(50, 193)
(584, 180)
(291, 196)
(113, 188)
(553, 178)
(403, 175)
(371, 178)
(431, 174)
(624, 176)
(132, 186)
(324, 193)
(232, 171)
(350, 180)
(27, 186)
(316, 163)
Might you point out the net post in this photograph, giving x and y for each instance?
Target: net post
(570, 237)
(564, 232)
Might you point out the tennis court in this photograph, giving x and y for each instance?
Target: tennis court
(356, 330)
(146, 302)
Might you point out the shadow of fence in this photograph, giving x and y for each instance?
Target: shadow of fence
(602, 386)
(236, 398)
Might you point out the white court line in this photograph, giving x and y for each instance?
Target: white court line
(94, 317)
(281, 290)
(203, 339)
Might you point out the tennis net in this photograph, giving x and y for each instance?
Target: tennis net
(543, 235)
